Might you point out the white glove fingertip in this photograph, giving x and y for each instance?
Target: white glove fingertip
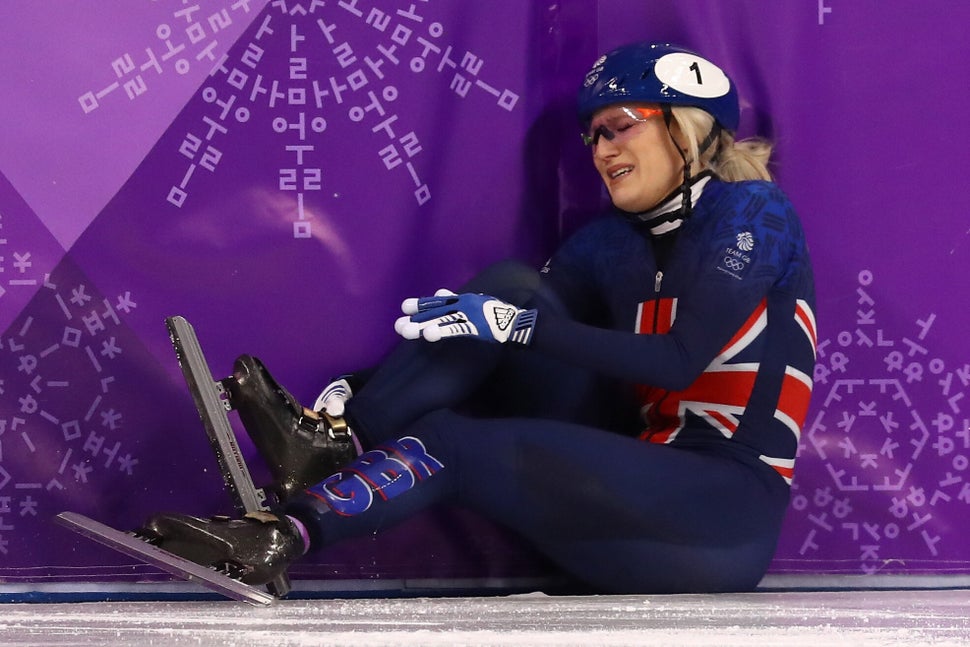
(410, 330)
(445, 292)
(431, 333)
(409, 306)
(402, 326)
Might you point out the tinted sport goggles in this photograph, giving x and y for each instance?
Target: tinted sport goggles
(618, 124)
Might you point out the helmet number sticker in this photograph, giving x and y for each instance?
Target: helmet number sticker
(696, 69)
(692, 75)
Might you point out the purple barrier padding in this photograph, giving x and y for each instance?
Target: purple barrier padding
(88, 89)
(283, 174)
(329, 165)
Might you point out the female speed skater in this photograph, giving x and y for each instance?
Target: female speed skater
(632, 409)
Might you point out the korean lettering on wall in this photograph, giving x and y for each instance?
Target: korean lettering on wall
(894, 445)
(371, 48)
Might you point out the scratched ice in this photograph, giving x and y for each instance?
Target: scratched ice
(888, 618)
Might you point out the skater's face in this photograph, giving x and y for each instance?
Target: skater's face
(635, 155)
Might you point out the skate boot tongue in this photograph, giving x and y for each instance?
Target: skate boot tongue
(300, 447)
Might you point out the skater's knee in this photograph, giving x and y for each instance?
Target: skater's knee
(509, 280)
(516, 283)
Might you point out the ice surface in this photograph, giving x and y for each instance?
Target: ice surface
(784, 619)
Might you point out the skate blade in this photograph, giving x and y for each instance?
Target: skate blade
(207, 394)
(168, 562)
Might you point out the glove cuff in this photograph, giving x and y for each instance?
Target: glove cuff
(525, 322)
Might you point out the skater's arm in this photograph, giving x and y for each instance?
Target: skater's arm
(711, 310)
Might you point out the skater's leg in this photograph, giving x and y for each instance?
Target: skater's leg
(302, 446)
(619, 514)
(487, 380)
(627, 516)
(415, 379)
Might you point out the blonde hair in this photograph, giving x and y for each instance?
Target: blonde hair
(731, 160)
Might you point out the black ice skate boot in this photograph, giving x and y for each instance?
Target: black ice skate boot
(255, 549)
(300, 446)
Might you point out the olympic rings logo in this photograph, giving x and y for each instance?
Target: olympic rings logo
(733, 263)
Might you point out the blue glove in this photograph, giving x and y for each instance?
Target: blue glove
(465, 315)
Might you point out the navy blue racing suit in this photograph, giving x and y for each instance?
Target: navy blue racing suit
(645, 441)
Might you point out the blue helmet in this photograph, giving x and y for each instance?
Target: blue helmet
(659, 73)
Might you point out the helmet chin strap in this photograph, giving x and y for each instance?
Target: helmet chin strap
(664, 216)
(686, 204)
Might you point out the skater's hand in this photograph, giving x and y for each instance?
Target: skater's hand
(447, 314)
(333, 398)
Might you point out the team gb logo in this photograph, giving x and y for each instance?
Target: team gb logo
(745, 241)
